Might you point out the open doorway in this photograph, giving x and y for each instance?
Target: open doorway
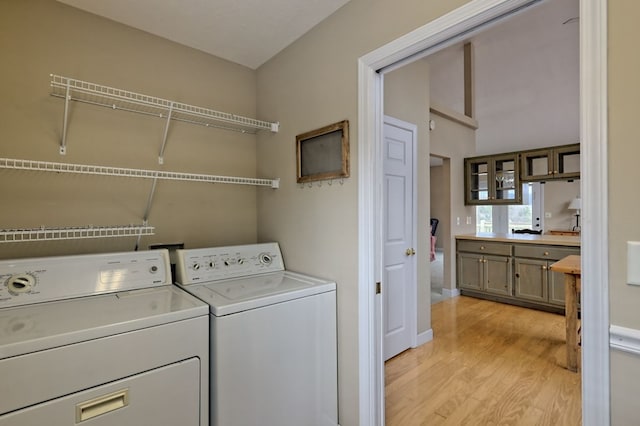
(592, 139)
(440, 214)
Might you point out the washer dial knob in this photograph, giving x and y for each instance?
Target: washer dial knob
(265, 258)
(21, 284)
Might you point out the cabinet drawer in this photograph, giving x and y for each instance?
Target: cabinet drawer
(485, 247)
(543, 252)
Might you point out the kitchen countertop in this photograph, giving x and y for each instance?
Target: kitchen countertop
(556, 240)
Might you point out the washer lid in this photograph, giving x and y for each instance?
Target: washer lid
(227, 297)
(30, 328)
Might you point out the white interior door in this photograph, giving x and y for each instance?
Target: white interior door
(399, 260)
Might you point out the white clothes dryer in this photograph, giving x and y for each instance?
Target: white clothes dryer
(273, 336)
(101, 339)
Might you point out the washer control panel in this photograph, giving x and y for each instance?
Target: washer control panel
(217, 263)
(34, 280)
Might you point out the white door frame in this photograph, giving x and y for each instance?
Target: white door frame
(593, 132)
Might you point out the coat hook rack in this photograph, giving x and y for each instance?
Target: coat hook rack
(320, 183)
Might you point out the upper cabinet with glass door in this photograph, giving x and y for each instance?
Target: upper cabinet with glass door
(492, 179)
(559, 162)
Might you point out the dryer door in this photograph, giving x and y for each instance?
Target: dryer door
(166, 396)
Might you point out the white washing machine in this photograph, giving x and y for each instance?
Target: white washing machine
(101, 340)
(273, 337)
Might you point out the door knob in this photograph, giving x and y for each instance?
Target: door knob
(410, 252)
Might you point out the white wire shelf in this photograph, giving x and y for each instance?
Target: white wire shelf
(110, 97)
(81, 91)
(46, 166)
(73, 233)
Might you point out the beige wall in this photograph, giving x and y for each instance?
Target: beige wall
(624, 204)
(557, 196)
(625, 385)
(312, 83)
(39, 37)
(406, 97)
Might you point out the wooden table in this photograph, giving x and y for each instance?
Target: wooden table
(570, 266)
(563, 232)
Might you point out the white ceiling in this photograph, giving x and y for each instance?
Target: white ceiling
(248, 32)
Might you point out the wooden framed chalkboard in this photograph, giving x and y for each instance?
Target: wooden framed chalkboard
(323, 153)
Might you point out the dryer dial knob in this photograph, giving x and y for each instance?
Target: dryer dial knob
(265, 258)
(196, 266)
(21, 284)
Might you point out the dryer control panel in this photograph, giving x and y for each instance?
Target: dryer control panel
(34, 280)
(195, 266)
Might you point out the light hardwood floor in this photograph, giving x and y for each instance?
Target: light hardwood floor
(488, 364)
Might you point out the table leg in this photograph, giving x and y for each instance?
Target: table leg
(571, 315)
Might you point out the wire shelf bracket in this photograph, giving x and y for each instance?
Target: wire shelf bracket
(47, 166)
(73, 233)
(81, 91)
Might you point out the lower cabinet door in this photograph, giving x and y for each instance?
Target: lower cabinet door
(470, 271)
(556, 288)
(531, 279)
(498, 273)
(166, 396)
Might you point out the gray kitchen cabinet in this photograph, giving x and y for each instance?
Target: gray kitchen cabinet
(497, 275)
(497, 179)
(492, 179)
(533, 278)
(512, 272)
(556, 286)
(485, 267)
(470, 271)
(555, 163)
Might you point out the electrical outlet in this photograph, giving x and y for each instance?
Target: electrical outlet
(468, 220)
(457, 220)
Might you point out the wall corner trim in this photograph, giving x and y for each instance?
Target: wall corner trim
(424, 337)
(450, 292)
(624, 339)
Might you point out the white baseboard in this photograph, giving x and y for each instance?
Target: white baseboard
(624, 339)
(449, 292)
(424, 337)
